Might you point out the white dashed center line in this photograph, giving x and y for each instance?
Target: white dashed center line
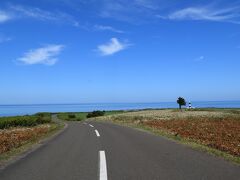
(91, 125)
(102, 166)
(97, 133)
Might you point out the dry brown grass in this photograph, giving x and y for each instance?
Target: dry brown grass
(222, 134)
(15, 137)
(215, 128)
(170, 114)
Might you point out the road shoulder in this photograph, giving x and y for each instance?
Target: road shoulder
(189, 143)
(21, 152)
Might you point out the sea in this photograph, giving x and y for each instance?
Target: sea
(13, 110)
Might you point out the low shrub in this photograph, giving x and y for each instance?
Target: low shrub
(43, 118)
(71, 116)
(95, 114)
(24, 121)
(7, 122)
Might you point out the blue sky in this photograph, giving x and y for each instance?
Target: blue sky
(84, 51)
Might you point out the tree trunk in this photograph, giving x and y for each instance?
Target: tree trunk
(180, 106)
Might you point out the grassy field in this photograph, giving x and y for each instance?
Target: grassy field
(79, 116)
(213, 130)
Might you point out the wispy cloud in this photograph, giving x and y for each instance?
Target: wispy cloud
(34, 12)
(112, 47)
(46, 55)
(42, 15)
(123, 10)
(200, 58)
(149, 4)
(4, 17)
(230, 14)
(107, 28)
(135, 11)
(4, 38)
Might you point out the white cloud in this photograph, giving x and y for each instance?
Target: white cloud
(205, 13)
(43, 15)
(201, 58)
(44, 55)
(112, 47)
(4, 17)
(107, 28)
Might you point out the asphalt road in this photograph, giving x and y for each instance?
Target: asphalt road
(106, 151)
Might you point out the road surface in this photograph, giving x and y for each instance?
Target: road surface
(104, 151)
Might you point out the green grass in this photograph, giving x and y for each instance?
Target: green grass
(79, 116)
(25, 121)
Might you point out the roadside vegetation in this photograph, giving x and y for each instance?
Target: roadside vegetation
(19, 133)
(214, 130)
(25, 121)
(95, 114)
(80, 116)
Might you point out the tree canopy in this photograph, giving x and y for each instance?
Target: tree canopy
(181, 102)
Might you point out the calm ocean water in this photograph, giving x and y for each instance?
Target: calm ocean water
(12, 110)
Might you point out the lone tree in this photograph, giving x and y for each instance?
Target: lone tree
(181, 102)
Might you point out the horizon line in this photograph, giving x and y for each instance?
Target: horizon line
(114, 103)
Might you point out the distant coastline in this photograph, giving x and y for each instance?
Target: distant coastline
(23, 109)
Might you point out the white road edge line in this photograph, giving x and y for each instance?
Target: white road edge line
(97, 133)
(91, 125)
(102, 166)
